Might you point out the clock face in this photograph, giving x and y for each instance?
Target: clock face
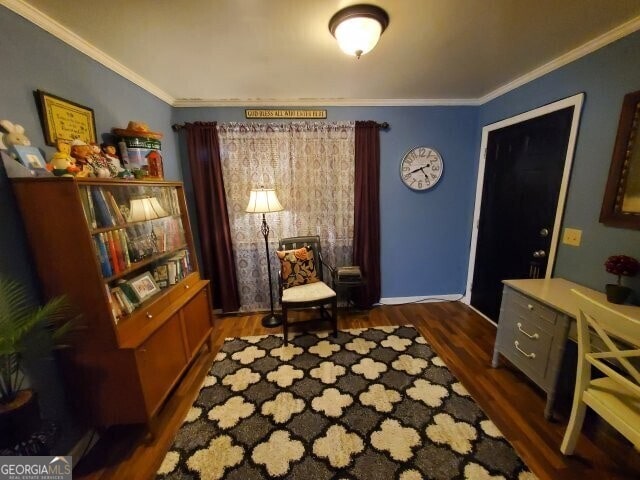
(421, 168)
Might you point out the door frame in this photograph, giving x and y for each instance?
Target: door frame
(575, 101)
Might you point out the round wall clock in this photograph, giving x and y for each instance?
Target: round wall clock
(421, 168)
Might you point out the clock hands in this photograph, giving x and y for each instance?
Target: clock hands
(421, 168)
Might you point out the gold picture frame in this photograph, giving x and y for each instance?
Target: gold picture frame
(621, 203)
(63, 119)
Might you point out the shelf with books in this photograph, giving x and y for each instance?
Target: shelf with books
(139, 265)
(121, 237)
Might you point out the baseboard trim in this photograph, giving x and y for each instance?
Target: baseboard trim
(449, 297)
(483, 315)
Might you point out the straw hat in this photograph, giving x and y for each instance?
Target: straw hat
(137, 129)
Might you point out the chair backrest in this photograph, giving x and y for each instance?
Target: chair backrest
(606, 323)
(311, 241)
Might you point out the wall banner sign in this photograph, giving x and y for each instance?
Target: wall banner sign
(269, 113)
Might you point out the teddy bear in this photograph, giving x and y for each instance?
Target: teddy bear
(88, 160)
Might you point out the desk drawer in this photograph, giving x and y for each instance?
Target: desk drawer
(526, 307)
(527, 346)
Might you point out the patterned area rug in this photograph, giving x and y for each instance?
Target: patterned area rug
(374, 403)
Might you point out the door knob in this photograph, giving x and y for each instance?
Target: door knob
(539, 254)
(544, 232)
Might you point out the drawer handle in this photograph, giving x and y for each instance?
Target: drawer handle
(187, 287)
(530, 307)
(535, 336)
(149, 316)
(528, 355)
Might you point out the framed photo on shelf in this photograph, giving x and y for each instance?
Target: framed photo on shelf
(144, 286)
(30, 157)
(65, 119)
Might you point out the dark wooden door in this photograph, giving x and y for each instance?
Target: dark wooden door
(523, 173)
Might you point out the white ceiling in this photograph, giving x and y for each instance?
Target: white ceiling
(258, 52)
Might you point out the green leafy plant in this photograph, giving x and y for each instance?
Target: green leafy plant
(26, 328)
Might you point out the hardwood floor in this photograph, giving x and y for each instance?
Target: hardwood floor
(462, 339)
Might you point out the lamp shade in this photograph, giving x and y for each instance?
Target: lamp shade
(263, 200)
(145, 208)
(358, 28)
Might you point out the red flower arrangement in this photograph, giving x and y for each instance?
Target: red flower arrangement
(622, 265)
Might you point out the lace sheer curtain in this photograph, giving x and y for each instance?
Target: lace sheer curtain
(311, 166)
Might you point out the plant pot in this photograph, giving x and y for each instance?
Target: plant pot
(617, 293)
(19, 419)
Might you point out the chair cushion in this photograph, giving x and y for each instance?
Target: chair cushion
(309, 292)
(297, 267)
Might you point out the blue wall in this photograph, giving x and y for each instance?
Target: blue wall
(424, 235)
(605, 76)
(33, 59)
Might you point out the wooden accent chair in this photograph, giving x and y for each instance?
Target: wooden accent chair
(301, 288)
(616, 395)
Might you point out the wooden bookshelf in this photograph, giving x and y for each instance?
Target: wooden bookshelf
(122, 366)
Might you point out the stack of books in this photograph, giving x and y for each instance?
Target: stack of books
(350, 274)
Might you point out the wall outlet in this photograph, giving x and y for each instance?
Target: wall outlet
(572, 236)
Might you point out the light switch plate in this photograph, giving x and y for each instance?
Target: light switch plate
(572, 236)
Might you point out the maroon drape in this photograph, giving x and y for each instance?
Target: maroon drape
(366, 228)
(211, 209)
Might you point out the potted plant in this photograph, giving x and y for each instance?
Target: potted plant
(620, 265)
(24, 328)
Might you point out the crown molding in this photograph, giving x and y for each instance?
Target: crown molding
(61, 32)
(591, 46)
(325, 102)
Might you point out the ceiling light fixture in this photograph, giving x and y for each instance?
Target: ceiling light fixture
(358, 28)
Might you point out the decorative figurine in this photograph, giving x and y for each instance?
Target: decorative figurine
(62, 164)
(13, 134)
(109, 152)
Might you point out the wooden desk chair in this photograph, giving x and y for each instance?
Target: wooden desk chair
(301, 280)
(615, 396)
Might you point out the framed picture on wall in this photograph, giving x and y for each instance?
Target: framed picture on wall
(62, 118)
(621, 203)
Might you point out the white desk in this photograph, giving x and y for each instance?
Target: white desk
(536, 318)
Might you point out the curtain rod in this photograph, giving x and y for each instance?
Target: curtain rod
(176, 127)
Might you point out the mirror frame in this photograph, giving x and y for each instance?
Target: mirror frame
(628, 126)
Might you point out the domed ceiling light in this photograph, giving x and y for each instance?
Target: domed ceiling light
(358, 28)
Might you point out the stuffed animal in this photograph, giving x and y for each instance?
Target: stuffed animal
(13, 134)
(109, 152)
(81, 152)
(62, 164)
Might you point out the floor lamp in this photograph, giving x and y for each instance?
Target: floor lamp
(265, 200)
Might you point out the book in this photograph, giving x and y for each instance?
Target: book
(103, 217)
(120, 220)
(349, 274)
(124, 242)
(114, 237)
(129, 293)
(161, 275)
(110, 213)
(123, 300)
(92, 212)
(111, 252)
(116, 313)
(172, 271)
(103, 257)
(85, 207)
